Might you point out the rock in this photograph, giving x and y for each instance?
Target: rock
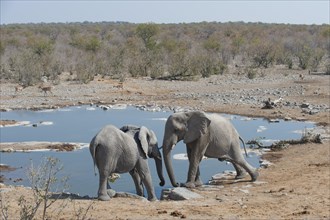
(287, 118)
(304, 105)
(225, 175)
(105, 108)
(244, 191)
(259, 183)
(179, 193)
(265, 163)
(119, 106)
(4, 190)
(313, 111)
(8, 150)
(210, 187)
(111, 193)
(128, 195)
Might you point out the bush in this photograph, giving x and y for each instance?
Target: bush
(251, 72)
(44, 180)
(87, 43)
(263, 54)
(303, 54)
(316, 59)
(29, 52)
(146, 32)
(209, 65)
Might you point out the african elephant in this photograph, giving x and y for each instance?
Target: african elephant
(204, 134)
(126, 150)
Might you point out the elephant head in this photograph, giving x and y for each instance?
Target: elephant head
(186, 126)
(149, 146)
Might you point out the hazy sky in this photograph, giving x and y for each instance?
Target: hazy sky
(279, 11)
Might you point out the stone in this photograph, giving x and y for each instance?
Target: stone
(304, 105)
(129, 195)
(210, 187)
(111, 193)
(179, 193)
(224, 176)
(244, 191)
(265, 163)
(259, 182)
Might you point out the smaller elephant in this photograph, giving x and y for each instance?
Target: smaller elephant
(126, 150)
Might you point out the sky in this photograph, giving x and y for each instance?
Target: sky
(266, 11)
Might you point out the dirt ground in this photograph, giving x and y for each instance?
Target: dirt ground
(296, 186)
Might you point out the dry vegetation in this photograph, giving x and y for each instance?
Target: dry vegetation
(296, 186)
(34, 52)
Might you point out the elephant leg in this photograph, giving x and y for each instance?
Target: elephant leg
(103, 183)
(239, 160)
(195, 155)
(137, 181)
(198, 181)
(240, 172)
(252, 171)
(143, 170)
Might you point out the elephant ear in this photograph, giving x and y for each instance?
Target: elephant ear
(197, 125)
(143, 137)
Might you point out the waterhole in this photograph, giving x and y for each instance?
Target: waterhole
(80, 124)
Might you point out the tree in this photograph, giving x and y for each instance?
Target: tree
(146, 32)
(262, 53)
(303, 54)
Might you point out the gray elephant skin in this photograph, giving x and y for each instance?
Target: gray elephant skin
(126, 150)
(204, 134)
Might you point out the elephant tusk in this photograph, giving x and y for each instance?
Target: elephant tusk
(172, 146)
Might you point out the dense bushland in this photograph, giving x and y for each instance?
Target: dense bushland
(31, 52)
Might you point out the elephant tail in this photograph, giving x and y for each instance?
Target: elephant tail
(92, 148)
(243, 145)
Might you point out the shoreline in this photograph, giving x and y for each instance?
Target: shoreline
(297, 185)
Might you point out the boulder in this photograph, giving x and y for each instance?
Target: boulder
(179, 193)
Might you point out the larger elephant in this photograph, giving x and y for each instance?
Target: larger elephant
(126, 150)
(204, 134)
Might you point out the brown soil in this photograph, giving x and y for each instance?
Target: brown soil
(7, 122)
(296, 186)
(27, 146)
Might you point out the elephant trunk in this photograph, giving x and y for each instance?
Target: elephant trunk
(159, 167)
(168, 165)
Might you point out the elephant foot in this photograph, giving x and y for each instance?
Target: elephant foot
(189, 185)
(105, 197)
(241, 175)
(198, 183)
(153, 199)
(254, 176)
